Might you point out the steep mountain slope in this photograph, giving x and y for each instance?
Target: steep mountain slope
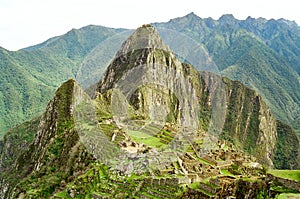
(280, 35)
(21, 94)
(51, 151)
(29, 77)
(154, 125)
(260, 53)
(270, 76)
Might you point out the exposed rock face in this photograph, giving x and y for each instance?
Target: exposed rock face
(249, 122)
(144, 37)
(228, 108)
(154, 82)
(251, 125)
(144, 46)
(267, 135)
(56, 129)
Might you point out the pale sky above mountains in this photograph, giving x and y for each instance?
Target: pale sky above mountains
(24, 23)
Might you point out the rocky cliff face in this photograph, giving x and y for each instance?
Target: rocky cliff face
(228, 109)
(249, 122)
(156, 84)
(250, 125)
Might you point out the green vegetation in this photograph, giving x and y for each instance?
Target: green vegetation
(286, 148)
(282, 189)
(29, 77)
(145, 138)
(16, 141)
(288, 196)
(226, 172)
(287, 174)
(194, 185)
(42, 162)
(100, 182)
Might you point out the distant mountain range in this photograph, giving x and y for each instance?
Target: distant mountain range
(262, 54)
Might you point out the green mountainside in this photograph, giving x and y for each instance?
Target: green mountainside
(155, 128)
(29, 77)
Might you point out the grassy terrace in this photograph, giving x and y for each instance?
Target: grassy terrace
(287, 174)
(151, 134)
(98, 182)
(145, 138)
(226, 173)
(288, 196)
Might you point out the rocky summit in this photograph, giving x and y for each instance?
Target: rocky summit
(154, 127)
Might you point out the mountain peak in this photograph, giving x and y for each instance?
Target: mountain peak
(227, 18)
(192, 14)
(145, 36)
(143, 47)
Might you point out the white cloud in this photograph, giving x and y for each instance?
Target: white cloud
(25, 23)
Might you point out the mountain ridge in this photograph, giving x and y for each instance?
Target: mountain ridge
(68, 58)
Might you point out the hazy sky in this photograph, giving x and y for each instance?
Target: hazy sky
(28, 22)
